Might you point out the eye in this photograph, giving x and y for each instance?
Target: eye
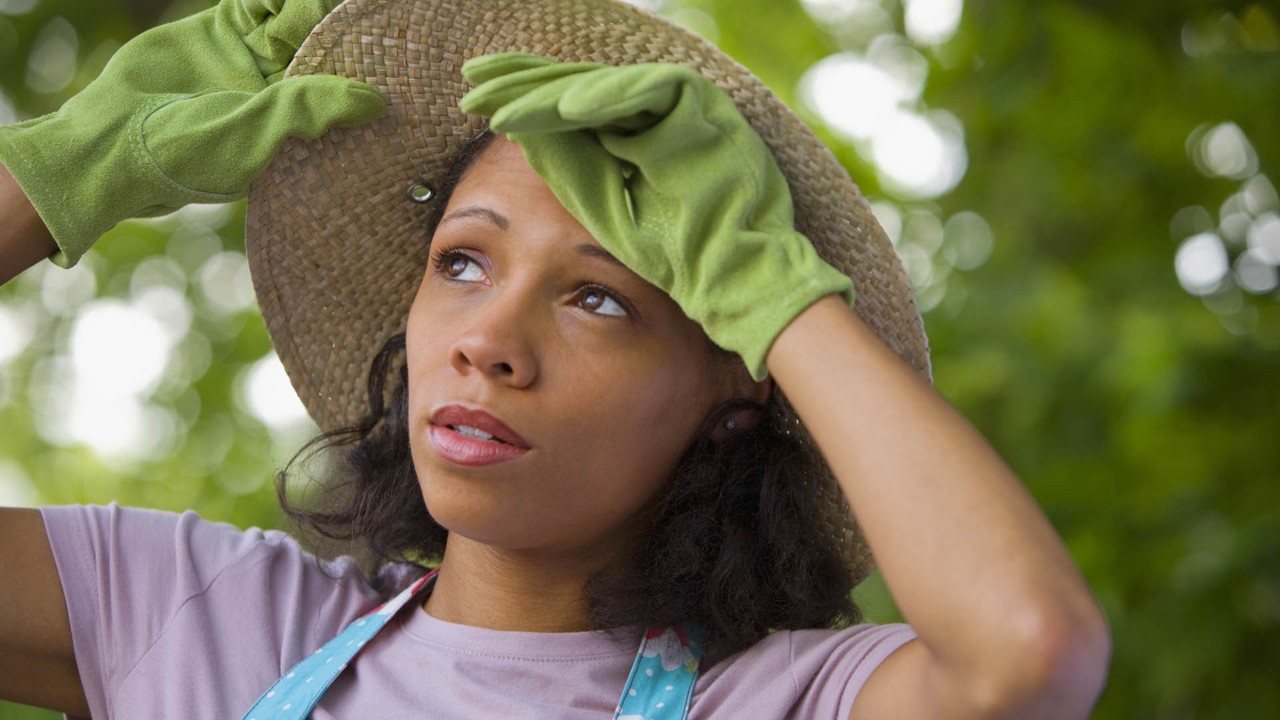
(600, 301)
(458, 266)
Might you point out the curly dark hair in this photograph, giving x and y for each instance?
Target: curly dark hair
(727, 539)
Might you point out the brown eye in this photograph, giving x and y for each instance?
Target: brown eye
(458, 266)
(600, 302)
(593, 299)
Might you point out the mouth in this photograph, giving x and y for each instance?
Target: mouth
(473, 437)
(477, 424)
(474, 432)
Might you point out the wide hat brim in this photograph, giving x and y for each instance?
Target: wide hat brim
(337, 246)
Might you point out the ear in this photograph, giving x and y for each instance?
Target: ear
(740, 386)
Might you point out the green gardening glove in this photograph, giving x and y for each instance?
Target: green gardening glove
(186, 112)
(661, 167)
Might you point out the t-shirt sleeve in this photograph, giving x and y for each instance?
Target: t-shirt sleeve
(810, 674)
(830, 671)
(158, 585)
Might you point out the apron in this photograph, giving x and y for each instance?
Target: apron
(660, 686)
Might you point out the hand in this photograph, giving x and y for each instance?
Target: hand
(661, 167)
(185, 112)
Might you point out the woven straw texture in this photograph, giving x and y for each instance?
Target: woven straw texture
(336, 248)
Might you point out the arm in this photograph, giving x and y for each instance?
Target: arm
(24, 239)
(37, 664)
(79, 166)
(1007, 626)
(672, 175)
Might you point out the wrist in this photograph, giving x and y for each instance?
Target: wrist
(24, 240)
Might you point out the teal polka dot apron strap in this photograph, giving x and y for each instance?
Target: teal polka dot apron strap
(293, 696)
(660, 686)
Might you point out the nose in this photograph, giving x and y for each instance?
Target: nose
(495, 340)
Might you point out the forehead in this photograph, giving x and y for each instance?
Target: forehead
(501, 166)
(500, 188)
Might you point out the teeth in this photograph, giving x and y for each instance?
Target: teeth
(472, 432)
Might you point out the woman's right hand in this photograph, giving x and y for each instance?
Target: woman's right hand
(185, 112)
(660, 165)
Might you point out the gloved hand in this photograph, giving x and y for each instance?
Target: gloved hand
(186, 112)
(661, 167)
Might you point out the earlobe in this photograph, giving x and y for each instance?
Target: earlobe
(751, 395)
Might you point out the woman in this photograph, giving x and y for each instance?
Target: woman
(613, 303)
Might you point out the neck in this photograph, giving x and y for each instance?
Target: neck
(488, 587)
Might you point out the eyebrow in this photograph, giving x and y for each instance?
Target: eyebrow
(497, 218)
(599, 252)
(483, 213)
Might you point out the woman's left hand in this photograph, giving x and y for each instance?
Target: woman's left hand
(659, 165)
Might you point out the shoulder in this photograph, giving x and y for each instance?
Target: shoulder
(799, 673)
(181, 556)
(143, 586)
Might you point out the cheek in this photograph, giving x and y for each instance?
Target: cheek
(645, 424)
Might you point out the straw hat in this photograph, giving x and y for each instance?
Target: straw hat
(336, 240)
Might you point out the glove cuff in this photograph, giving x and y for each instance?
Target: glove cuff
(746, 312)
(83, 179)
(23, 151)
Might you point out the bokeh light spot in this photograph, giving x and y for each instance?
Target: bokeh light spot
(851, 95)
(15, 333)
(51, 66)
(17, 7)
(1254, 273)
(921, 156)
(1259, 195)
(1264, 238)
(115, 346)
(16, 489)
(890, 219)
(833, 11)
(969, 240)
(63, 291)
(696, 21)
(266, 392)
(1223, 151)
(225, 283)
(1201, 263)
(932, 22)
(923, 229)
(8, 114)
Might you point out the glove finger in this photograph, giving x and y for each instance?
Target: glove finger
(307, 107)
(480, 70)
(629, 94)
(703, 130)
(273, 30)
(537, 109)
(502, 90)
(219, 141)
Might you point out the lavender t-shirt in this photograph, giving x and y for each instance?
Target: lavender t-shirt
(173, 616)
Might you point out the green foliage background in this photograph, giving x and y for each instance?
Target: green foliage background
(1144, 418)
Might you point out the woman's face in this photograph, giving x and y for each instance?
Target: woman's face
(600, 377)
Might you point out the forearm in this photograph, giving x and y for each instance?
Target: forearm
(24, 239)
(971, 560)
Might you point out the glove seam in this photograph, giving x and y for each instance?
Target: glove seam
(138, 143)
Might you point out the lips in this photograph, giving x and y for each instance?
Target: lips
(473, 438)
(457, 418)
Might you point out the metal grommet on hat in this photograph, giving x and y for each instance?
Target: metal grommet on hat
(336, 253)
(420, 192)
